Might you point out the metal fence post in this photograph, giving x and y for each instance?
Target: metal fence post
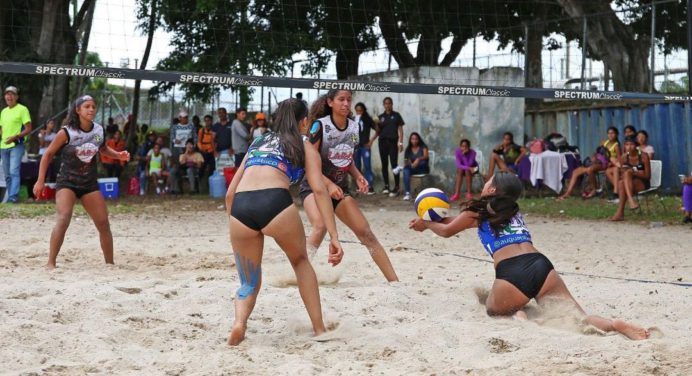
(583, 54)
(652, 71)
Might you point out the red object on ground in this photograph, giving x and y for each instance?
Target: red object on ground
(228, 173)
(48, 193)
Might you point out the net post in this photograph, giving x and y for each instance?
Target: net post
(652, 69)
(583, 53)
(689, 47)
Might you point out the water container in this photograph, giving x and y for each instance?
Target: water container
(217, 185)
(228, 173)
(109, 187)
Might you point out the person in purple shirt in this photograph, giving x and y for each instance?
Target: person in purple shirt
(466, 167)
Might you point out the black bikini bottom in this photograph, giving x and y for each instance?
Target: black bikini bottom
(255, 209)
(526, 272)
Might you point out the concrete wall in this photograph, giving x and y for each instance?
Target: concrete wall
(443, 121)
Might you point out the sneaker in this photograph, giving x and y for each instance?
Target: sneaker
(396, 170)
(371, 192)
(407, 196)
(454, 197)
(385, 191)
(394, 193)
(687, 220)
(614, 201)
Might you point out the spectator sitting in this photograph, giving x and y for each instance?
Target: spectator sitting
(114, 167)
(600, 161)
(190, 163)
(259, 126)
(207, 146)
(630, 131)
(687, 197)
(415, 161)
(157, 169)
(466, 167)
(643, 140)
(46, 136)
(612, 144)
(505, 155)
(635, 175)
(142, 134)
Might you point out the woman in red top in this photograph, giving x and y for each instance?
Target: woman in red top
(114, 168)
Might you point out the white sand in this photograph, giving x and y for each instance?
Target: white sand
(166, 307)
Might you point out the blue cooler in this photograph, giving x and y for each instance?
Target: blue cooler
(109, 187)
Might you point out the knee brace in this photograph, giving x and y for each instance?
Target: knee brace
(249, 276)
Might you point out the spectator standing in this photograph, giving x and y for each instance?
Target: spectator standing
(114, 167)
(142, 153)
(391, 133)
(259, 126)
(196, 123)
(415, 161)
(15, 125)
(362, 154)
(222, 133)
(241, 136)
(111, 127)
(466, 167)
(207, 146)
(179, 134)
(299, 96)
(46, 136)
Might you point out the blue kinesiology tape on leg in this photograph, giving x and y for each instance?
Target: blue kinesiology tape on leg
(249, 276)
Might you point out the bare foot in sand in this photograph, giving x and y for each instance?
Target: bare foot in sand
(616, 219)
(50, 266)
(560, 198)
(237, 334)
(629, 330)
(520, 316)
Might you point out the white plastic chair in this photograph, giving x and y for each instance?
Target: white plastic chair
(655, 182)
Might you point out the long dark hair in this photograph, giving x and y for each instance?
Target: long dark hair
(286, 118)
(500, 208)
(617, 134)
(421, 143)
(365, 115)
(320, 108)
(72, 120)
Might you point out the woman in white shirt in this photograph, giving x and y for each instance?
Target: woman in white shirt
(643, 140)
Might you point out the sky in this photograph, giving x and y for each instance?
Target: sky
(117, 40)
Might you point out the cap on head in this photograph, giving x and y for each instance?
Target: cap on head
(260, 116)
(182, 114)
(11, 89)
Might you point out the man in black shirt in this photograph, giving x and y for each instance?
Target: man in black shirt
(223, 137)
(391, 133)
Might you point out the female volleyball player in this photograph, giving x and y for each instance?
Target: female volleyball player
(260, 204)
(521, 272)
(78, 142)
(335, 137)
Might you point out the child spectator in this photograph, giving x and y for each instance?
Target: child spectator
(114, 167)
(190, 164)
(415, 161)
(630, 131)
(157, 168)
(466, 167)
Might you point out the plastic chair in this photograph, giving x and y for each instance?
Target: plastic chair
(656, 172)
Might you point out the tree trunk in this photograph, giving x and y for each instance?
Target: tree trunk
(56, 45)
(394, 37)
(454, 51)
(151, 28)
(346, 63)
(533, 50)
(429, 49)
(615, 43)
(84, 32)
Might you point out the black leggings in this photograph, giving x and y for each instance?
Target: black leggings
(389, 148)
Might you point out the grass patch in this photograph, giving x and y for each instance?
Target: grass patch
(39, 209)
(659, 209)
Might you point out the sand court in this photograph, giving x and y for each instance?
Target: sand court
(167, 305)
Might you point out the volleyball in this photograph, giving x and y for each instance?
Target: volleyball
(432, 204)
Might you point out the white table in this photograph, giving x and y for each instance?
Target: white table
(548, 166)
